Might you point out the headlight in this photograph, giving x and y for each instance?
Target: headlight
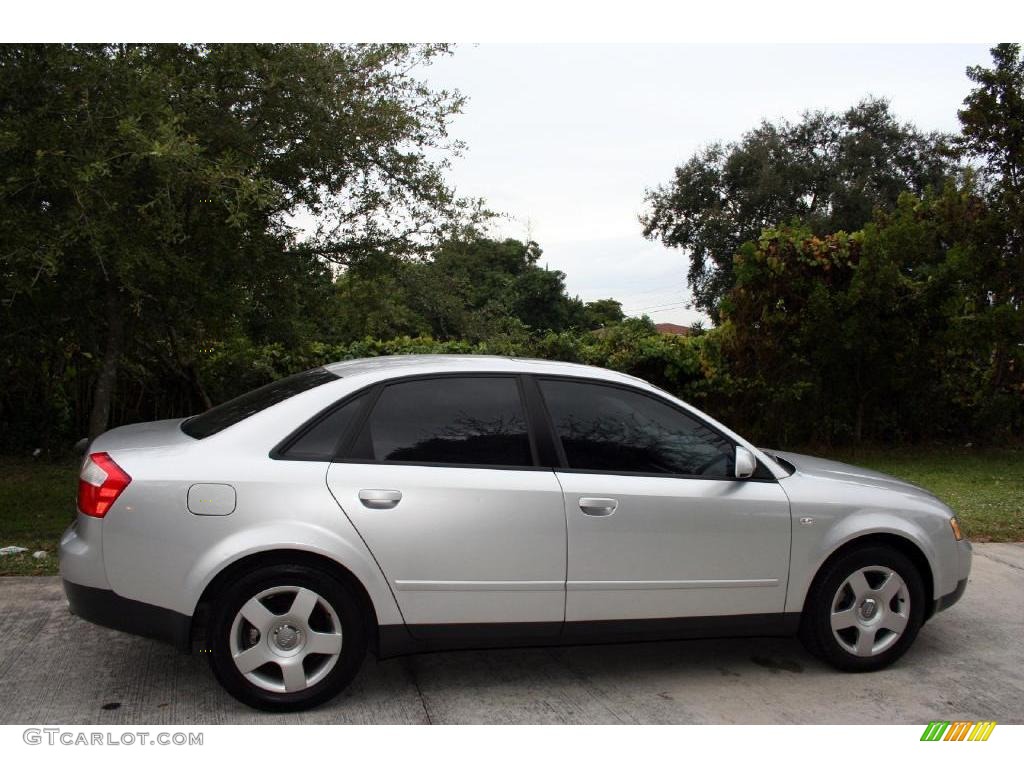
(955, 525)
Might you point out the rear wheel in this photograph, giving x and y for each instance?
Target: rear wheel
(864, 609)
(286, 637)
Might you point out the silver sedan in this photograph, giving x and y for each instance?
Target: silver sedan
(435, 502)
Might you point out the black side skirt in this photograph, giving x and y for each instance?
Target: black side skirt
(399, 640)
(108, 609)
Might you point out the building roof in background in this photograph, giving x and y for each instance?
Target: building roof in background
(672, 328)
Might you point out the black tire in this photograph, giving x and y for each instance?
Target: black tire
(815, 625)
(230, 602)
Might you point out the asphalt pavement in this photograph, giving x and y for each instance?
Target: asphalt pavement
(967, 664)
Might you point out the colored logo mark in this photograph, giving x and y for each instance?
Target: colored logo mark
(958, 730)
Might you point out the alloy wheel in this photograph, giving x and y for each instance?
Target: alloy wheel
(870, 610)
(286, 639)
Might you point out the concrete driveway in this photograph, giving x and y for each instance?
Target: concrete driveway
(968, 663)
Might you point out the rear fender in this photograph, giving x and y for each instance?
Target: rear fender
(294, 535)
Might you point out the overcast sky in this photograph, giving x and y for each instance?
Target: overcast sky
(566, 138)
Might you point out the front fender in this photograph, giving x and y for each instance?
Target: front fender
(812, 548)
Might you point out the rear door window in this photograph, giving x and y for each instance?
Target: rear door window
(448, 420)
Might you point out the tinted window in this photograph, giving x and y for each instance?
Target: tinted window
(321, 441)
(616, 430)
(449, 421)
(244, 406)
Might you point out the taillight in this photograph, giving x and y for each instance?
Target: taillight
(99, 484)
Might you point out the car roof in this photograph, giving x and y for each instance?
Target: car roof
(405, 365)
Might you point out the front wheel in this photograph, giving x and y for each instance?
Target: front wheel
(286, 638)
(864, 609)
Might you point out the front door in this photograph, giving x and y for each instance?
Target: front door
(658, 525)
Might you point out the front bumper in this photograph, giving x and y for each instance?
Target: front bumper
(109, 609)
(965, 557)
(947, 601)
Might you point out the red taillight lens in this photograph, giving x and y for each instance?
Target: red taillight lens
(99, 484)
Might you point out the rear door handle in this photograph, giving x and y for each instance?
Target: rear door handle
(379, 498)
(598, 507)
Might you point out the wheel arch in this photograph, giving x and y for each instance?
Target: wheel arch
(284, 556)
(902, 544)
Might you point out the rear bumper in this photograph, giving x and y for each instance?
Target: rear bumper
(108, 609)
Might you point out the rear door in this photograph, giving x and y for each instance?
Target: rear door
(441, 481)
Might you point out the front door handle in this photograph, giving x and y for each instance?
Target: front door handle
(598, 507)
(378, 498)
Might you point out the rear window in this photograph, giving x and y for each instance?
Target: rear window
(242, 407)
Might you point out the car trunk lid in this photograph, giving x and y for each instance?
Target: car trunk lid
(149, 434)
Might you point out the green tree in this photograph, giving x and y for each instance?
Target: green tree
(602, 313)
(828, 171)
(880, 334)
(992, 118)
(470, 287)
(992, 122)
(149, 193)
(474, 288)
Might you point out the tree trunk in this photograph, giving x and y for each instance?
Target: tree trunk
(103, 394)
(197, 387)
(187, 370)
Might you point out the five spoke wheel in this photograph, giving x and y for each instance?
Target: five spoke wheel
(285, 639)
(864, 608)
(870, 610)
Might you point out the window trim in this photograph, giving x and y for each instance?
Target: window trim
(761, 474)
(549, 447)
(545, 445)
(342, 454)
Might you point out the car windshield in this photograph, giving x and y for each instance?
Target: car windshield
(242, 407)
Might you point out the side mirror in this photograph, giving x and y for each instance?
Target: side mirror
(746, 464)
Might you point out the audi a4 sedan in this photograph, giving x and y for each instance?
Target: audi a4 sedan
(417, 503)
